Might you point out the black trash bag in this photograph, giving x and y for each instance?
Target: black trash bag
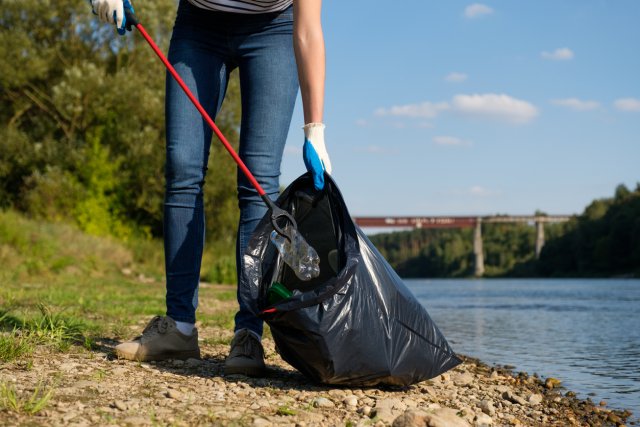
(356, 324)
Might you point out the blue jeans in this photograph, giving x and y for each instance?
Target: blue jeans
(205, 47)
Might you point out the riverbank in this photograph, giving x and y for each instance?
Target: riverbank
(91, 387)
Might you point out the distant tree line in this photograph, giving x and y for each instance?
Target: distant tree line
(603, 241)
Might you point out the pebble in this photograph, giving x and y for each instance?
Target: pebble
(462, 397)
(513, 398)
(483, 420)
(462, 379)
(322, 402)
(173, 394)
(486, 406)
(535, 399)
(552, 383)
(350, 401)
(119, 404)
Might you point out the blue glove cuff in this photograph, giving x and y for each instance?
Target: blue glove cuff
(122, 29)
(314, 164)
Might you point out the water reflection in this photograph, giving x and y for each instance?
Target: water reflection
(584, 332)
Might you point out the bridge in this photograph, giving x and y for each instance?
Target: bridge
(465, 222)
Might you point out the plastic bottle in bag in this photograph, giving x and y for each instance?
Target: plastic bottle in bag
(297, 253)
(278, 292)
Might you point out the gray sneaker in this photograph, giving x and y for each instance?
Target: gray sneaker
(160, 340)
(246, 356)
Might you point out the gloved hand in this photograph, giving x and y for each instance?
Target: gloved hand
(112, 12)
(314, 153)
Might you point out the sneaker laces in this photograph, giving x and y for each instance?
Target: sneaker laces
(159, 325)
(244, 344)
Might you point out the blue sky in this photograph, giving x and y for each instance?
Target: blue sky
(462, 108)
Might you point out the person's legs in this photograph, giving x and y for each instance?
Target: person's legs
(195, 55)
(269, 85)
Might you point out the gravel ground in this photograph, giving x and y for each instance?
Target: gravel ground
(94, 388)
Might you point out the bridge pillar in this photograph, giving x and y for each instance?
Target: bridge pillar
(539, 237)
(477, 249)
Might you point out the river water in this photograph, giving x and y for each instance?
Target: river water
(584, 332)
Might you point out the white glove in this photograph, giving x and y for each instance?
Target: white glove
(112, 12)
(314, 153)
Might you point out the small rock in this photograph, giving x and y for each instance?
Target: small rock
(322, 402)
(486, 406)
(69, 366)
(482, 420)
(410, 419)
(119, 404)
(350, 401)
(614, 418)
(137, 421)
(603, 403)
(513, 398)
(463, 379)
(255, 407)
(383, 414)
(366, 410)
(173, 394)
(337, 393)
(391, 403)
(261, 422)
(494, 375)
(535, 399)
(177, 363)
(444, 417)
(551, 383)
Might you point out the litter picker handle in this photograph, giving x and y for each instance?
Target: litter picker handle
(133, 21)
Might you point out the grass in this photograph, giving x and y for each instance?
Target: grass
(31, 404)
(285, 410)
(61, 288)
(13, 347)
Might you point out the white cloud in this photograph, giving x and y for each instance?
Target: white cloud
(425, 110)
(480, 191)
(490, 105)
(477, 9)
(495, 106)
(627, 104)
(456, 77)
(560, 54)
(450, 140)
(576, 104)
(362, 122)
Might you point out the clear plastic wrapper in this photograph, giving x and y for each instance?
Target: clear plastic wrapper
(297, 253)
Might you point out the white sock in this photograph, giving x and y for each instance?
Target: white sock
(258, 337)
(185, 328)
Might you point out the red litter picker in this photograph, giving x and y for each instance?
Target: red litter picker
(296, 252)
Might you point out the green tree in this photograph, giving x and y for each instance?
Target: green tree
(82, 121)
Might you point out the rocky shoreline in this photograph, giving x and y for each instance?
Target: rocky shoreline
(93, 388)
